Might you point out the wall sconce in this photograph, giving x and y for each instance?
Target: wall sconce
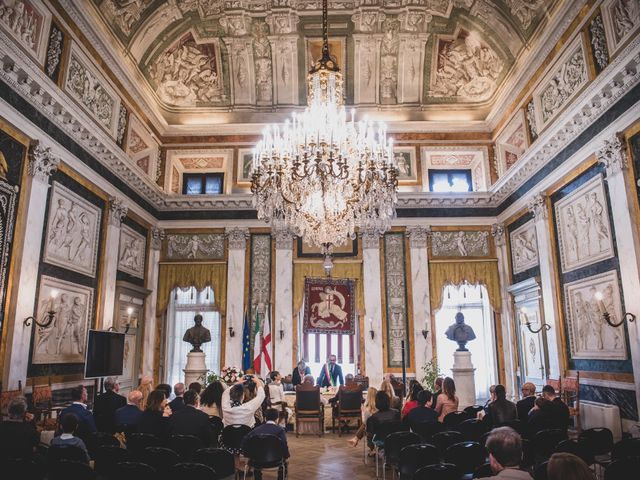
(607, 316)
(425, 333)
(527, 323)
(128, 324)
(232, 333)
(281, 329)
(51, 313)
(371, 331)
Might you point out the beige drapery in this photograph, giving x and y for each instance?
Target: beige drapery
(457, 272)
(198, 275)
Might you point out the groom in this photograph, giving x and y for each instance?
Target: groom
(331, 373)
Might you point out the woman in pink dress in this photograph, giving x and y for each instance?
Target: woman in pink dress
(447, 401)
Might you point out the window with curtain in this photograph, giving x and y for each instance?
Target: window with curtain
(473, 302)
(183, 306)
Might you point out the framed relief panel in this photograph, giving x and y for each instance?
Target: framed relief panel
(405, 159)
(132, 252)
(63, 341)
(511, 144)
(524, 247)
(584, 229)
(27, 21)
(590, 337)
(621, 21)
(244, 166)
(73, 231)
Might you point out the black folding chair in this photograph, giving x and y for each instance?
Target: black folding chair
(192, 471)
(217, 458)
(382, 430)
(29, 469)
(107, 457)
(483, 471)
(577, 447)
(132, 471)
(545, 442)
(57, 453)
(414, 457)
(137, 442)
(473, 410)
(540, 472)
(622, 469)
(444, 440)
(160, 458)
(232, 436)
(393, 444)
(626, 448)
(427, 430)
(453, 419)
(265, 452)
(70, 470)
(467, 456)
(185, 445)
(216, 429)
(98, 439)
(438, 471)
(472, 429)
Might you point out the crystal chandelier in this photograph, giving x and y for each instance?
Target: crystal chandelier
(320, 174)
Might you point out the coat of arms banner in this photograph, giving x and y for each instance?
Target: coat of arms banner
(329, 305)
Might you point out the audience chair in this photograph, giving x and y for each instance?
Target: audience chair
(107, 457)
(126, 429)
(362, 381)
(70, 470)
(132, 471)
(218, 459)
(192, 471)
(265, 452)
(622, 469)
(444, 440)
(185, 445)
(308, 407)
(528, 454)
(58, 453)
(571, 396)
(453, 419)
(472, 429)
(578, 447)
(29, 469)
(427, 430)
(626, 448)
(473, 410)
(5, 398)
(517, 425)
(467, 456)
(393, 445)
(483, 471)
(540, 472)
(160, 458)
(42, 405)
(438, 471)
(98, 439)
(600, 442)
(232, 436)
(383, 430)
(349, 407)
(137, 442)
(216, 429)
(556, 383)
(414, 457)
(545, 442)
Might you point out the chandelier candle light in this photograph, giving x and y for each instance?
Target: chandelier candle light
(322, 175)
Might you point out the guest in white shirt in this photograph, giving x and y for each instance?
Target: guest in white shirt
(276, 394)
(234, 411)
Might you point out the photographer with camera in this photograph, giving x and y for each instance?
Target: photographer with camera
(235, 410)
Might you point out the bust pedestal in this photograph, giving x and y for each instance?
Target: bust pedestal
(195, 368)
(464, 377)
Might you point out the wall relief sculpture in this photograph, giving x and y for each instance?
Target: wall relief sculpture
(511, 144)
(122, 125)
(524, 247)
(525, 10)
(583, 226)
(460, 243)
(622, 19)
(188, 73)
(197, 246)
(142, 147)
(389, 61)
(125, 13)
(396, 298)
(599, 43)
(465, 68)
(260, 289)
(590, 337)
(54, 52)
(73, 231)
(262, 59)
(132, 251)
(64, 340)
(531, 120)
(27, 21)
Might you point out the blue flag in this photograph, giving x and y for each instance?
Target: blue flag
(246, 340)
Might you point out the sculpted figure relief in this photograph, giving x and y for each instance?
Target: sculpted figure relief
(88, 89)
(21, 19)
(562, 85)
(524, 10)
(626, 15)
(126, 12)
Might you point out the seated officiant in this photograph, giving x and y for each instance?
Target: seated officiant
(331, 373)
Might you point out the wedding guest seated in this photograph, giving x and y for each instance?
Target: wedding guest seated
(384, 414)
(276, 396)
(69, 425)
(387, 388)
(178, 402)
(166, 389)
(270, 427)
(211, 399)
(287, 384)
(130, 414)
(422, 413)
(566, 466)
(299, 373)
(18, 434)
(189, 420)
(196, 387)
(549, 411)
(237, 412)
(447, 400)
(309, 380)
(87, 423)
(438, 390)
(146, 387)
(412, 401)
(525, 405)
(105, 406)
(500, 410)
(155, 418)
(348, 382)
(505, 453)
(368, 409)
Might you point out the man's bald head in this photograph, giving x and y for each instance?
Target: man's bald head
(134, 397)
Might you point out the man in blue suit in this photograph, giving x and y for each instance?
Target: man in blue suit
(86, 422)
(331, 373)
(271, 427)
(129, 415)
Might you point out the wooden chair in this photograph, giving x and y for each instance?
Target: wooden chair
(308, 407)
(362, 381)
(43, 406)
(5, 398)
(571, 396)
(556, 384)
(283, 416)
(349, 406)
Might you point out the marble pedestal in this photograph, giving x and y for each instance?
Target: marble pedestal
(195, 369)
(464, 377)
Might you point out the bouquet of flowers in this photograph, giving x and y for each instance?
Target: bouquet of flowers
(231, 375)
(209, 377)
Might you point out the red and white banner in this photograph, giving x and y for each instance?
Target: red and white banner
(329, 305)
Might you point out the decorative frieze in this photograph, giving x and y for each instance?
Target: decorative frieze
(237, 238)
(284, 238)
(42, 163)
(599, 43)
(396, 299)
(260, 274)
(122, 125)
(461, 243)
(54, 52)
(196, 246)
(117, 211)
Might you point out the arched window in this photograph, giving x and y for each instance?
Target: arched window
(183, 306)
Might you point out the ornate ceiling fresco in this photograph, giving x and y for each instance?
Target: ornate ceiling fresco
(252, 55)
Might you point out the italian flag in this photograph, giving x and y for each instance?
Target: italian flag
(266, 344)
(256, 345)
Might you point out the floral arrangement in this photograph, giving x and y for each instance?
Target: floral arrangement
(209, 377)
(431, 372)
(231, 375)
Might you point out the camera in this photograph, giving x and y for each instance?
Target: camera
(248, 377)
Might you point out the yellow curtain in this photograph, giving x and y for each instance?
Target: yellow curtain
(340, 270)
(199, 275)
(456, 273)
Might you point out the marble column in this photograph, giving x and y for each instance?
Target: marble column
(506, 316)
(283, 320)
(373, 351)
(42, 163)
(117, 212)
(237, 245)
(538, 205)
(420, 295)
(612, 154)
(150, 320)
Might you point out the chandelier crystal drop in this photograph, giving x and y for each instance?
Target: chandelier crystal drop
(323, 175)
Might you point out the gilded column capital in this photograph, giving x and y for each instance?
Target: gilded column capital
(42, 163)
(117, 211)
(237, 238)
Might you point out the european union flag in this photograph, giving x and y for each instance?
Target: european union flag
(246, 340)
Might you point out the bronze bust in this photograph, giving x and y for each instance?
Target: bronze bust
(197, 335)
(460, 332)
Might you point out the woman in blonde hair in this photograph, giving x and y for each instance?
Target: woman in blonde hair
(146, 387)
(368, 409)
(387, 388)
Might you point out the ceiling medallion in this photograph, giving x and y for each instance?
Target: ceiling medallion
(321, 175)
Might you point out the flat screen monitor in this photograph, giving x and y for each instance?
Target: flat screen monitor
(105, 354)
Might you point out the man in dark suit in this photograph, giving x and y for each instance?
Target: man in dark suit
(270, 428)
(18, 435)
(331, 373)
(129, 415)
(191, 421)
(299, 372)
(525, 405)
(423, 413)
(87, 423)
(177, 403)
(105, 406)
(558, 411)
